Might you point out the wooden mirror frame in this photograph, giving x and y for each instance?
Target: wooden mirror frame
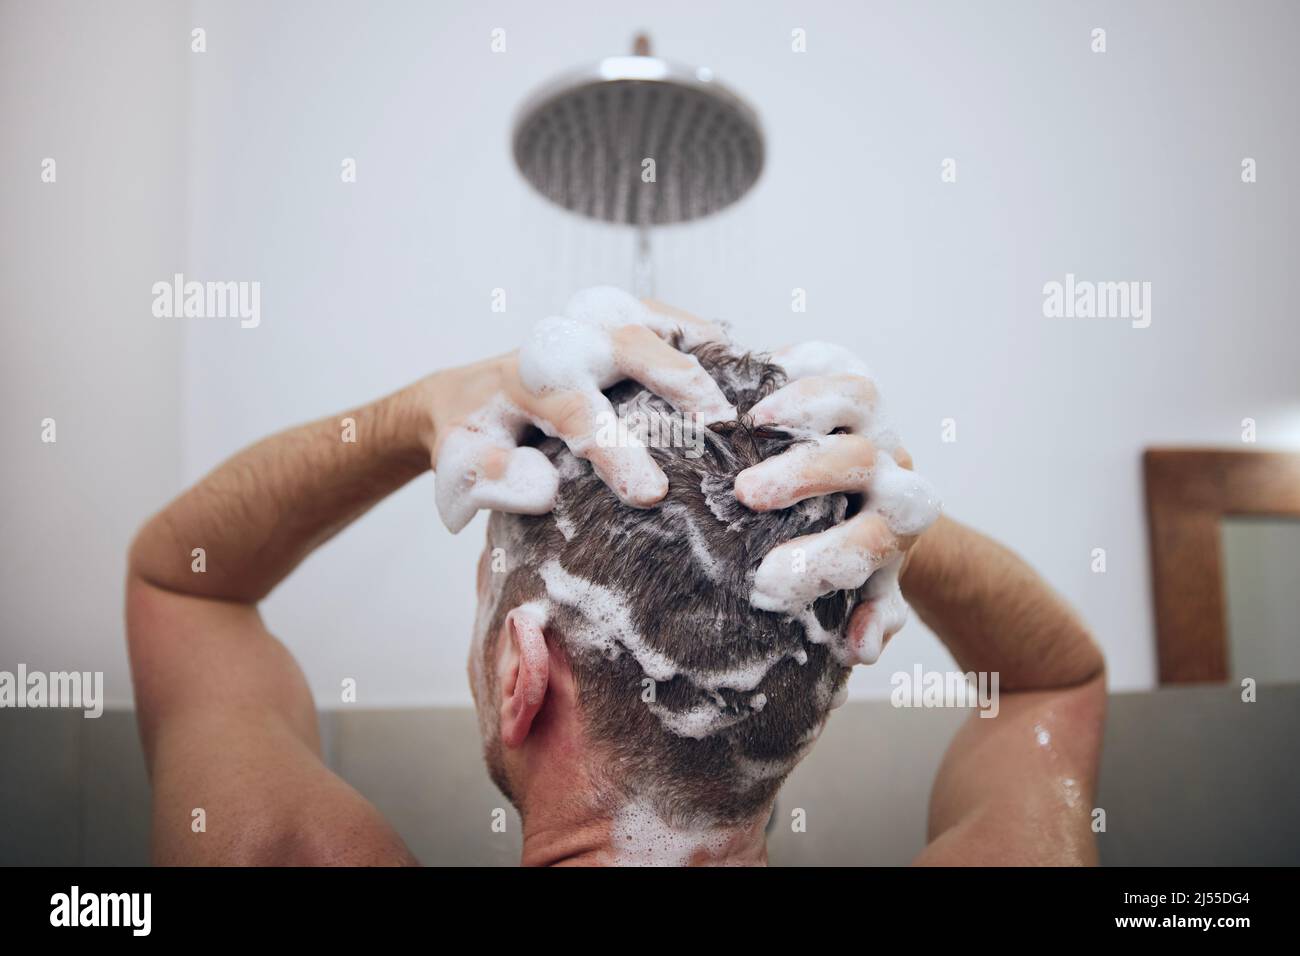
(1188, 492)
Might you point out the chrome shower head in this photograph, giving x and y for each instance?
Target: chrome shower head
(583, 141)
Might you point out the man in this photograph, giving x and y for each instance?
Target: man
(636, 704)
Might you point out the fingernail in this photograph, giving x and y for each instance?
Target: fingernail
(748, 490)
(648, 491)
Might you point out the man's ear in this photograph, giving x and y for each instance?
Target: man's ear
(524, 670)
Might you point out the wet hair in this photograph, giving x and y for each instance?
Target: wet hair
(699, 749)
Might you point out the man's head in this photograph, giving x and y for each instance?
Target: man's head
(634, 625)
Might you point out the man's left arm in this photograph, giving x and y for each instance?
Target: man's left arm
(226, 717)
(227, 720)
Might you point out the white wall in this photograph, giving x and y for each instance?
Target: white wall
(1123, 165)
(98, 88)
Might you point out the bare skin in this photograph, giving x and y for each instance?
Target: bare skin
(1017, 788)
(226, 718)
(229, 724)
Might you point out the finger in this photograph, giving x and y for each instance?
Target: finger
(903, 498)
(825, 361)
(796, 573)
(806, 359)
(588, 424)
(820, 403)
(880, 616)
(608, 307)
(825, 465)
(676, 376)
(666, 319)
(481, 470)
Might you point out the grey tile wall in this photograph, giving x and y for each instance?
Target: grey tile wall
(1193, 776)
(1190, 776)
(40, 822)
(423, 770)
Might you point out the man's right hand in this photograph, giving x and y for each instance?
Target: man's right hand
(554, 383)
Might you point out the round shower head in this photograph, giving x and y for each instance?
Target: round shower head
(640, 140)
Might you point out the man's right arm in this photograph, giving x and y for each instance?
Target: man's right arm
(1018, 788)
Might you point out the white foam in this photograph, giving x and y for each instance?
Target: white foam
(706, 719)
(806, 359)
(564, 523)
(576, 351)
(610, 307)
(833, 564)
(794, 575)
(564, 354)
(907, 502)
(695, 537)
(781, 478)
(742, 678)
(702, 720)
(640, 837)
(609, 627)
(751, 772)
(720, 496)
(840, 401)
(815, 358)
(886, 614)
(610, 631)
(527, 483)
(570, 353)
(539, 611)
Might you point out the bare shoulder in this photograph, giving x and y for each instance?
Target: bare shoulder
(231, 739)
(246, 790)
(1018, 789)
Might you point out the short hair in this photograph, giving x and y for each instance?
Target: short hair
(691, 697)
